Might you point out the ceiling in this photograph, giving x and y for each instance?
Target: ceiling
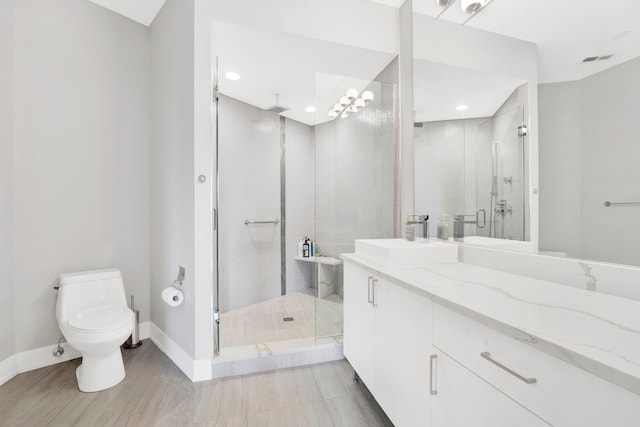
(142, 11)
(440, 88)
(308, 72)
(565, 31)
(303, 71)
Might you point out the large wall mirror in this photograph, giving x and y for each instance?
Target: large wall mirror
(579, 151)
(470, 150)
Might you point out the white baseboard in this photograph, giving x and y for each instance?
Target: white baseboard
(8, 369)
(196, 370)
(40, 357)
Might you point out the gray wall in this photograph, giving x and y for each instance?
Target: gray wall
(299, 188)
(172, 168)
(592, 120)
(7, 334)
(560, 167)
(80, 155)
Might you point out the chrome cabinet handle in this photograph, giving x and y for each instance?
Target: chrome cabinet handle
(373, 292)
(487, 355)
(432, 365)
(369, 292)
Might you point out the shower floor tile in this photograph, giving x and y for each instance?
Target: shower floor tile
(264, 322)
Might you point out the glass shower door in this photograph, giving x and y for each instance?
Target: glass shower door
(354, 190)
(500, 175)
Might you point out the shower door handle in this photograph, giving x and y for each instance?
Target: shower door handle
(215, 219)
(484, 218)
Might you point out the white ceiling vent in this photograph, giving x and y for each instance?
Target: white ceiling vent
(597, 58)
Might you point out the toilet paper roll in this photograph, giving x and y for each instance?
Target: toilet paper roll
(172, 296)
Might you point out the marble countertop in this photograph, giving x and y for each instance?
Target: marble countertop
(597, 332)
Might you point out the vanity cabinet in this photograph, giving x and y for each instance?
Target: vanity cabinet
(462, 399)
(555, 391)
(428, 364)
(387, 340)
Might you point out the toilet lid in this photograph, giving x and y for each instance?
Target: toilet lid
(101, 318)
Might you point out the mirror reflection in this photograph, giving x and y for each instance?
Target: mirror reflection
(470, 145)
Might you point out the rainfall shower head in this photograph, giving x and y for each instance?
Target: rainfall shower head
(277, 108)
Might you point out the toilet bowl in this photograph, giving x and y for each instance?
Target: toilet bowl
(93, 316)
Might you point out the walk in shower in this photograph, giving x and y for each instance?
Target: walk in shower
(285, 173)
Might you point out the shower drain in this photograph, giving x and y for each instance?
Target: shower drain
(288, 319)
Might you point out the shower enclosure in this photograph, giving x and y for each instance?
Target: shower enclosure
(282, 176)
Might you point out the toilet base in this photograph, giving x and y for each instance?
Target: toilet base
(100, 372)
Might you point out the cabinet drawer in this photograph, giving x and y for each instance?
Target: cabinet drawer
(559, 393)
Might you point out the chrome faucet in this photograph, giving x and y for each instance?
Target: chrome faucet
(459, 222)
(419, 219)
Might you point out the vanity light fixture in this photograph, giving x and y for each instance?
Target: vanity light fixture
(232, 75)
(350, 103)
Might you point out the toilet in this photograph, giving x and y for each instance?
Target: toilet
(93, 316)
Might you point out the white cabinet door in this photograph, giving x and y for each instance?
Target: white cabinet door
(403, 346)
(359, 322)
(465, 400)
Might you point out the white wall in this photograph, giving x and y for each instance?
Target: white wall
(590, 156)
(7, 333)
(80, 155)
(172, 172)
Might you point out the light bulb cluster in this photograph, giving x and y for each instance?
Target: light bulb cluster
(350, 103)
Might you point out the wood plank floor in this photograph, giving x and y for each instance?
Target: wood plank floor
(156, 393)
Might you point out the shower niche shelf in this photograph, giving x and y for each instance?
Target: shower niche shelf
(320, 260)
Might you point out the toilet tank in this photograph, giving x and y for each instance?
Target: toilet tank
(88, 289)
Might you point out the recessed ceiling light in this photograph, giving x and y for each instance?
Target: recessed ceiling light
(232, 75)
(310, 109)
(462, 107)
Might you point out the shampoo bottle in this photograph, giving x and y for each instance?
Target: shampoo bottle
(305, 249)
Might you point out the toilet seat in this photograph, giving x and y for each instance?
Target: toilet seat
(100, 319)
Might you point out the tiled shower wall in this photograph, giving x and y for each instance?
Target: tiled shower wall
(250, 255)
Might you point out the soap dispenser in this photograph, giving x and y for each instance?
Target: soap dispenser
(443, 227)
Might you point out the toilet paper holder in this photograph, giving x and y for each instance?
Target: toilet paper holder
(134, 339)
(180, 277)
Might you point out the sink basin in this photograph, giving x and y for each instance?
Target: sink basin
(399, 252)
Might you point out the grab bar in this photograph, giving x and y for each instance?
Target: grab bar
(607, 203)
(247, 222)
